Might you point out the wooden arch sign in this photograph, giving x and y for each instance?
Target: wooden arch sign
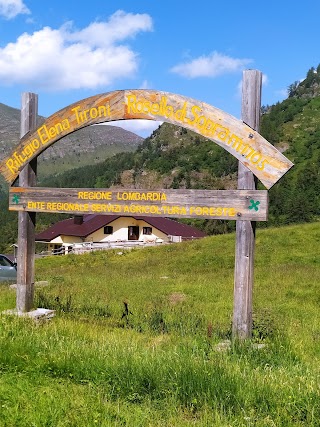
(246, 205)
(232, 134)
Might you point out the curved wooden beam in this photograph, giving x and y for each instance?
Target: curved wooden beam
(247, 145)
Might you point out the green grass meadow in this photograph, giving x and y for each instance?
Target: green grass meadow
(138, 338)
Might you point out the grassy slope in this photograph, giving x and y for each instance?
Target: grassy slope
(74, 160)
(159, 366)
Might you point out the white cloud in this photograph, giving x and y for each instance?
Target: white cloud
(143, 128)
(11, 8)
(120, 26)
(212, 65)
(64, 58)
(145, 85)
(265, 80)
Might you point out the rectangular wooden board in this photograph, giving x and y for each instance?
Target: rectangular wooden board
(251, 205)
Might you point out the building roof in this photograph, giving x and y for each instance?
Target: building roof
(92, 223)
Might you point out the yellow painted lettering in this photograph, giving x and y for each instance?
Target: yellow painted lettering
(58, 128)
(35, 143)
(76, 112)
(28, 151)
(205, 211)
(251, 152)
(65, 124)
(85, 113)
(155, 108)
(131, 104)
(19, 158)
(169, 111)
(93, 113)
(181, 114)
(222, 133)
(139, 106)
(43, 134)
(255, 158)
(11, 166)
(235, 142)
(163, 105)
(201, 123)
(102, 111)
(194, 111)
(52, 132)
(261, 165)
(147, 106)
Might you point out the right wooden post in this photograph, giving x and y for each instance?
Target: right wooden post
(245, 230)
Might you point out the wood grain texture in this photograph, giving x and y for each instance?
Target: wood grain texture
(245, 230)
(211, 204)
(26, 220)
(234, 135)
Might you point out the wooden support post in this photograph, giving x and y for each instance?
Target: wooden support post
(245, 230)
(26, 224)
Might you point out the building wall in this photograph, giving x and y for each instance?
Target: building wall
(120, 231)
(66, 239)
(62, 241)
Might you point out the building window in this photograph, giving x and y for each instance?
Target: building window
(108, 229)
(147, 230)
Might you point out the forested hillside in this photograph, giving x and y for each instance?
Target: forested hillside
(89, 145)
(173, 157)
(293, 126)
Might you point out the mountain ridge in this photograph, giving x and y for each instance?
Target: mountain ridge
(174, 157)
(86, 146)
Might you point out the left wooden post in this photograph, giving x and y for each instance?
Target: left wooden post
(27, 220)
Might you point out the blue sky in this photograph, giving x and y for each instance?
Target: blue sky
(68, 50)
